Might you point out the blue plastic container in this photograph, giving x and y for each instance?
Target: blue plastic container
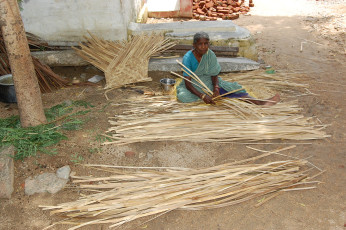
(7, 91)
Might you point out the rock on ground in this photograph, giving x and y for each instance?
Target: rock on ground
(48, 182)
(64, 172)
(6, 172)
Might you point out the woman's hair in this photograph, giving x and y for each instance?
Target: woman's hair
(200, 35)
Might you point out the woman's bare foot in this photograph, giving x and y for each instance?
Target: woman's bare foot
(273, 100)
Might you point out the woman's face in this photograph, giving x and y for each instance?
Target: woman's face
(201, 46)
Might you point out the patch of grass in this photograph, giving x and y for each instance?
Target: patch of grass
(28, 141)
(20, 4)
(100, 139)
(76, 159)
(94, 150)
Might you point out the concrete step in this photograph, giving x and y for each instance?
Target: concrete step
(70, 58)
(185, 27)
(227, 64)
(221, 33)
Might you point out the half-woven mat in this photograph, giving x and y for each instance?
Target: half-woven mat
(162, 118)
(123, 62)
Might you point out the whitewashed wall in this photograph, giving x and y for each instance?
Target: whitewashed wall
(64, 22)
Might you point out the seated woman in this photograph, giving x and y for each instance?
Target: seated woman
(203, 62)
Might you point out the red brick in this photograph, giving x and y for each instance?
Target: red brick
(209, 4)
(199, 11)
(233, 16)
(224, 11)
(202, 17)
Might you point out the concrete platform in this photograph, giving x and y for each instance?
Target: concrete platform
(60, 58)
(70, 58)
(227, 64)
(184, 27)
(221, 33)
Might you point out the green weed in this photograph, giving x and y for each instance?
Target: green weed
(101, 139)
(76, 159)
(94, 150)
(28, 141)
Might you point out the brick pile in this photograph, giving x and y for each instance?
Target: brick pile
(211, 10)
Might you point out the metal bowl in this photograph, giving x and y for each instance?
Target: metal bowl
(7, 91)
(167, 83)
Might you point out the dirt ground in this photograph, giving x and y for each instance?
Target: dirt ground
(279, 28)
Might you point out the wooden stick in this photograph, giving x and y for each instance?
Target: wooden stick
(204, 87)
(194, 76)
(230, 92)
(191, 82)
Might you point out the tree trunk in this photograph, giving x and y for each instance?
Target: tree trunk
(25, 81)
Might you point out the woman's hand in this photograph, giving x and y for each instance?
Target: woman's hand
(216, 92)
(207, 99)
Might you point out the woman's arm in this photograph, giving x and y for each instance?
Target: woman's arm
(193, 90)
(215, 81)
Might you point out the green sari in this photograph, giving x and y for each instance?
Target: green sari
(207, 68)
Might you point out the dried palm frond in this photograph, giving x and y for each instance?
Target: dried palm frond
(118, 196)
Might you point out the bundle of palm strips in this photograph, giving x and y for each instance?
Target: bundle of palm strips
(119, 195)
(123, 62)
(264, 85)
(230, 120)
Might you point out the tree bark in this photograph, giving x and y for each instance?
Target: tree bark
(24, 77)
